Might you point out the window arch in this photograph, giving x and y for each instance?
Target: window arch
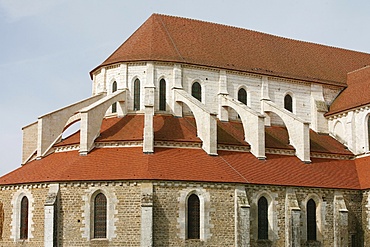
(114, 105)
(339, 131)
(196, 91)
(311, 220)
(288, 102)
(262, 218)
(193, 220)
(23, 224)
(136, 95)
(100, 216)
(242, 96)
(162, 95)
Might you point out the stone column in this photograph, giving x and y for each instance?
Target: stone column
(292, 219)
(265, 95)
(148, 142)
(340, 221)
(318, 109)
(296, 227)
(177, 84)
(146, 239)
(242, 218)
(223, 113)
(51, 217)
(123, 83)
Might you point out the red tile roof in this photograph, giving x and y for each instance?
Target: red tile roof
(323, 143)
(192, 164)
(183, 164)
(277, 137)
(356, 94)
(175, 39)
(169, 128)
(363, 171)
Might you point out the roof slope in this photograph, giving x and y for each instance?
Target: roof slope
(170, 128)
(186, 164)
(356, 94)
(183, 164)
(175, 39)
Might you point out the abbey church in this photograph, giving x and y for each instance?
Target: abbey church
(201, 134)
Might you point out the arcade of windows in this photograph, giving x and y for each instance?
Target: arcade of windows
(193, 218)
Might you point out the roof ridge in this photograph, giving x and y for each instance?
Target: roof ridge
(170, 37)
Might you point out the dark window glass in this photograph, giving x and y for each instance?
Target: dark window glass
(242, 96)
(137, 95)
(262, 218)
(196, 91)
(368, 131)
(288, 103)
(311, 220)
(193, 217)
(162, 95)
(353, 241)
(1, 220)
(114, 88)
(23, 234)
(100, 216)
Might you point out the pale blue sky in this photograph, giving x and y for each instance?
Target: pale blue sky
(48, 48)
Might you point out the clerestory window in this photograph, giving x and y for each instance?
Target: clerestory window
(288, 103)
(137, 95)
(242, 96)
(196, 91)
(114, 105)
(162, 95)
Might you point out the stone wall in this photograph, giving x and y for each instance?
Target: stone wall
(209, 78)
(8, 196)
(218, 203)
(351, 129)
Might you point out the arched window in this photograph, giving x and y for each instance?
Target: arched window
(23, 226)
(137, 95)
(1, 220)
(262, 218)
(242, 96)
(193, 217)
(114, 88)
(368, 132)
(196, 91)
(311, 220)
(162, 95)
(288, 103)
(100, 216)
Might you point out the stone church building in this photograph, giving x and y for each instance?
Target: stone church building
(201, 134)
